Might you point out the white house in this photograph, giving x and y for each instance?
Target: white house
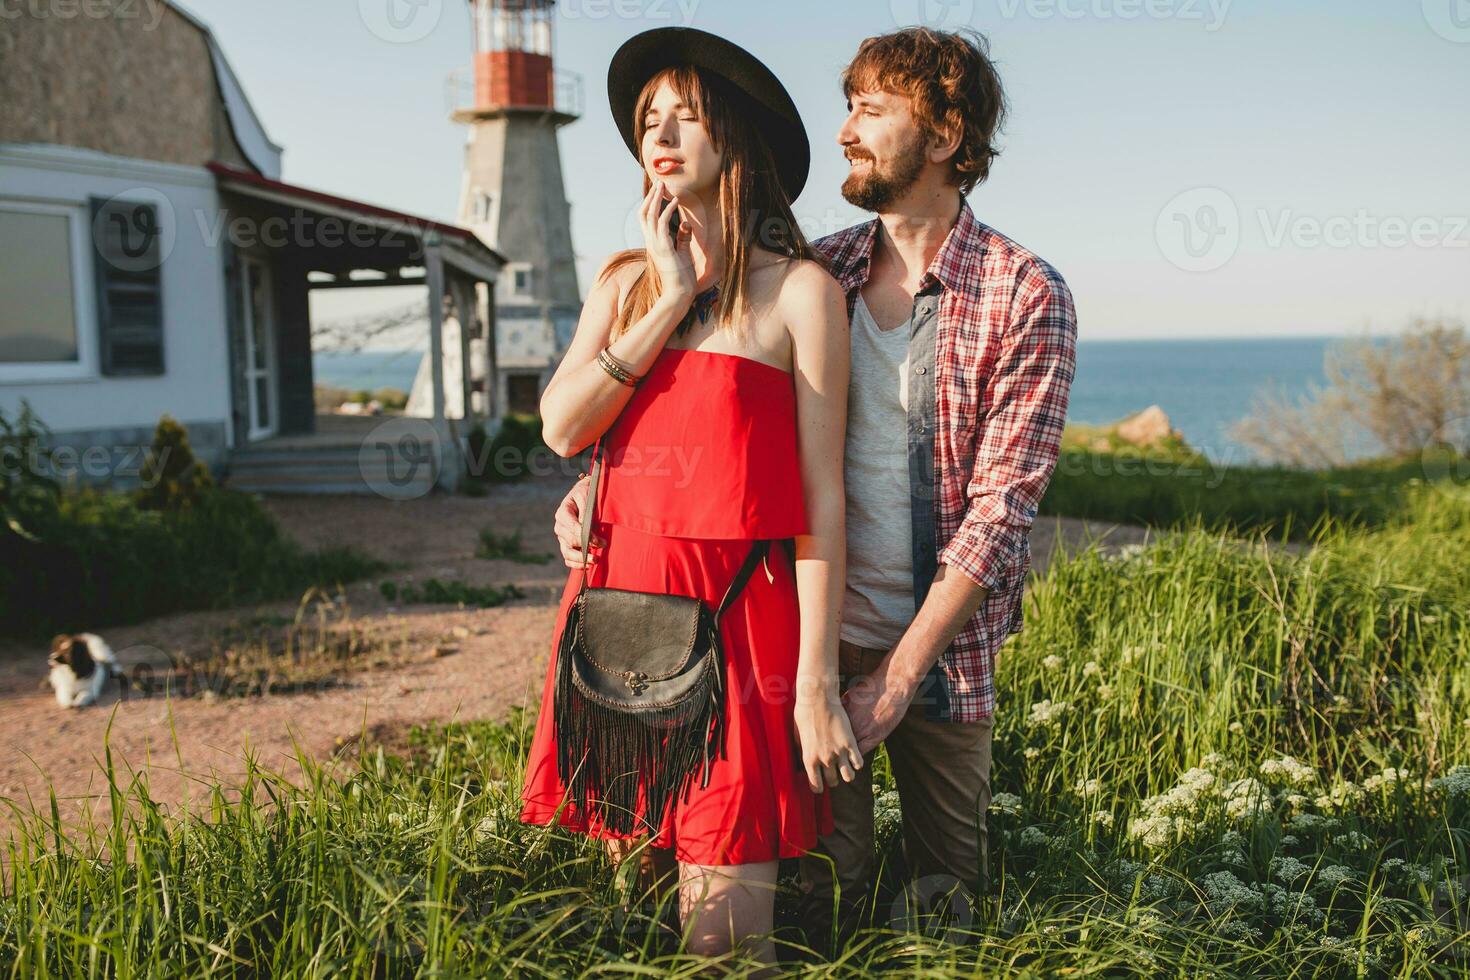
(152, 261)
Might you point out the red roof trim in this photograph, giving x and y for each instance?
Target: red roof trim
(226, 171)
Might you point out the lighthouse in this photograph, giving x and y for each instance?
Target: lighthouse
(513, 196)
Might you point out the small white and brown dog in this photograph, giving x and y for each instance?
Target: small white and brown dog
(81, 664)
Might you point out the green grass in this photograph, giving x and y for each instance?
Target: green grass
(1174, 487)
(1279, 743)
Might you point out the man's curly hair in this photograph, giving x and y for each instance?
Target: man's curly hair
(950, 82)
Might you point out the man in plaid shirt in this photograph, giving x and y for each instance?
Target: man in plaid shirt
(963, 353)
(986, 373)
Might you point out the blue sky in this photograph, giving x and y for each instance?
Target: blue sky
(1193, 168)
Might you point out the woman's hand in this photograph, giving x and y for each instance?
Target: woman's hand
(829, 751)
(670, 255)
(568, 526)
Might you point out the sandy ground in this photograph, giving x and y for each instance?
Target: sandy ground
(461, 664)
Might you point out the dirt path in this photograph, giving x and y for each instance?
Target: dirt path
(464, 663)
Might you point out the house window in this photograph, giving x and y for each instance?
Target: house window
(44, 284)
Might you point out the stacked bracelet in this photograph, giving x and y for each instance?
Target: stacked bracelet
(619, 373)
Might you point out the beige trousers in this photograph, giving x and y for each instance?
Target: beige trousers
(942, 769)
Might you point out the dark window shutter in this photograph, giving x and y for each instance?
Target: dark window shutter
(127, 256)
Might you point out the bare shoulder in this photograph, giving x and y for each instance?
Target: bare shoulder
(793, 281)
(617, 275)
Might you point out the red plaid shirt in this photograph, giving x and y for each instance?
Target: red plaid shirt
(1005, 354)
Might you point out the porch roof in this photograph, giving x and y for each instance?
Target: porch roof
(461, 247)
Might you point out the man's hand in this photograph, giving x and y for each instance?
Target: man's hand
(568, 525)
(875, 704)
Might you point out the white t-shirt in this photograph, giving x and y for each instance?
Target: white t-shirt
(879, 603)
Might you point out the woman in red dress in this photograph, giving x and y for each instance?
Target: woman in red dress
(734, 433)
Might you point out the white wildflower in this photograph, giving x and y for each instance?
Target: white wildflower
(1046, 713)
(1091, 669)
(1105, 692)
(1155, 832)
(1342, 795)
(1288, 769)
(1052, 662)
(1006, 803)
(1032, 752)
(1103, 819)
(1036, 838)
(1455, 784)
(1236, 728)
(1087, 787)
(1246, 799)
(1333, 875)
(1226, 893)
(1310, 823)
(1385, 779)
(1352, 841)
(1287, 869)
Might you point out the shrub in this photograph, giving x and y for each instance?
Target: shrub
(504, 457)
(27, 492)
(172, 478)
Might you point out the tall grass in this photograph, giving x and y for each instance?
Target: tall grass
(1210, 758)
(1178, 487)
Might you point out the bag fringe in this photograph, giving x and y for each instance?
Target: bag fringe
(602, 752)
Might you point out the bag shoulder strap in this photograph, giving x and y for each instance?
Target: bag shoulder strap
(591, 504)
(757, 552)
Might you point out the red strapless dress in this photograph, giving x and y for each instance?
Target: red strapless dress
(701, 462)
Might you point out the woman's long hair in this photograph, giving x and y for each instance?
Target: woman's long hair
(753, 206)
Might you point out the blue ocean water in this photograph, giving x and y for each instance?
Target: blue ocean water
(367, 370)
(1203, 385)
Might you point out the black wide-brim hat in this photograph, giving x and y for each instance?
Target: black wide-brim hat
(752, 85)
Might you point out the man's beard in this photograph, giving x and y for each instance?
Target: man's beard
(877, 189)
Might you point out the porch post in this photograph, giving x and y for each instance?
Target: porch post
(450, 461)
(434, 276)
(463, 291)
